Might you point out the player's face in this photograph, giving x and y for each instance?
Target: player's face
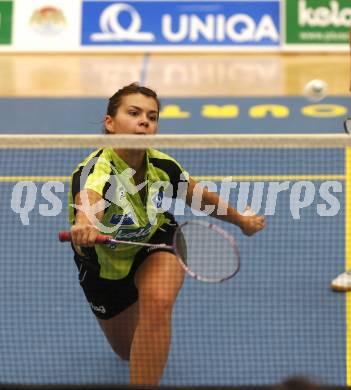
(137, 114)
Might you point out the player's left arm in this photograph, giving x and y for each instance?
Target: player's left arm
(200, 196)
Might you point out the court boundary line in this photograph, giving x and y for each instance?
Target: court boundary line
(12, 179)
(348, 260)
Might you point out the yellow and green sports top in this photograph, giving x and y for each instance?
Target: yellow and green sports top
(128, 215)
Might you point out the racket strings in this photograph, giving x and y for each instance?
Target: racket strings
(208, 253)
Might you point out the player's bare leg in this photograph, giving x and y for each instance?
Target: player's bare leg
(158, 280)
(119, 330)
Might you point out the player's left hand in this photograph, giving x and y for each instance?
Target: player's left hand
(251, 223)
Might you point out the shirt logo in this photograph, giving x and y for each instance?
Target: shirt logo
(134, 235)
(157, 199)
(122, 194)
(122, 219)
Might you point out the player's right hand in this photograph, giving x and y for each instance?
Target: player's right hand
(84, 234)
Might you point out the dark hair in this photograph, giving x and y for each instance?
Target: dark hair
(116, 100)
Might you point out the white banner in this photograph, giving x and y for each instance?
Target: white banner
(46, 25)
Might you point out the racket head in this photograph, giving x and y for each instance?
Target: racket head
(206, 251)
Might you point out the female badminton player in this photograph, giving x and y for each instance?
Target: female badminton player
(132, 290)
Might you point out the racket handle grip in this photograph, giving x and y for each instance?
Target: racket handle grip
(65, 236)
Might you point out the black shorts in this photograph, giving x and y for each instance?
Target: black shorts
(108, 298)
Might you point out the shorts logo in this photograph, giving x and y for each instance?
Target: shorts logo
(99, 309)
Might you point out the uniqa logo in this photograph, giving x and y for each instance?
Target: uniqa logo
(219, 27)
(111, 29)
(324, 16)
(237, 28)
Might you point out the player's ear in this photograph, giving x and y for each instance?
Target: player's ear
(108, 122)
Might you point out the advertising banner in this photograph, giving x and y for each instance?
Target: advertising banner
(5, 22)
(172, 24)
(47, 25)
(323, 22)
